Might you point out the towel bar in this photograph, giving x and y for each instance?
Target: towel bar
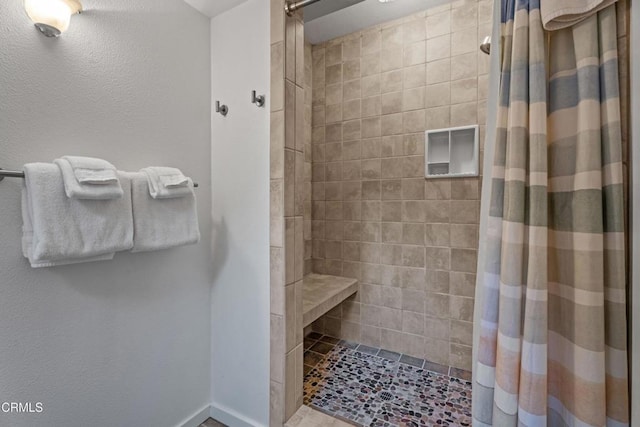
(18, 174)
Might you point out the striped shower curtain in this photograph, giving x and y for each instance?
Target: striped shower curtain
(552, 346)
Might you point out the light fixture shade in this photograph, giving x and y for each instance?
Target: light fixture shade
(52, 17)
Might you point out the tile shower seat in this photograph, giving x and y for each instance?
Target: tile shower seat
(321, 293)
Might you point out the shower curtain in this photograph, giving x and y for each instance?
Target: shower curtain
(552, 330)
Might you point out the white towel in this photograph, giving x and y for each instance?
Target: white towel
(89, 178)
(167, 183)
(89, 170)
(174, 181)
(58, 230)
(161, 223)
(558, 14)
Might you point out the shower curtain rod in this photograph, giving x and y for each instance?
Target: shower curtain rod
(291, 7)
(18, 174)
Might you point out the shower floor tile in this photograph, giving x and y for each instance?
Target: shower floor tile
(370, 388)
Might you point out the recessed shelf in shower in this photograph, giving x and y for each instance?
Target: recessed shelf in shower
(451, 152)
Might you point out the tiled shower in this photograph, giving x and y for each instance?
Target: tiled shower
(411, 241)
(348, 192)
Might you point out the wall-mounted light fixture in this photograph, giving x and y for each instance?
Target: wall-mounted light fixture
(52, 17)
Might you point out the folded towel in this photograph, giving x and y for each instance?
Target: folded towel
(174, 181)
(58, 230)
(89, 170)
(161, 223)
(558, 14)
(27, 241)
(167, 183)
(83, 179)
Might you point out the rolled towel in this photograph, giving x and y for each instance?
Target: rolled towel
(161, 223)
(58, 230)
(89, 178)
(558, 14)
(167, 183)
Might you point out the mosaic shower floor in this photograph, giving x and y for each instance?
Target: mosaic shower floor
(373, 387)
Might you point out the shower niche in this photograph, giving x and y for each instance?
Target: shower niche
(451, 152)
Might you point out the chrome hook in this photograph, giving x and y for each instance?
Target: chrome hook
(257, 99)
(222, 109)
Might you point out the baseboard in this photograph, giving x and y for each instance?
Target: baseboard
(232, 418)
(198, 418)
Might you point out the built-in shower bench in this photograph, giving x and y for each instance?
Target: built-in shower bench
(321, 293)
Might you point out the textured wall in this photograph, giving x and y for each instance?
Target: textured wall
(412, 242)
(123, 342)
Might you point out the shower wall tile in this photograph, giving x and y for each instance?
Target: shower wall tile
(464, 66)
(437, 9)
(460, 355)
(351, 49)
(276, 403)
(485, 10)
(290, 49)
(414, 76)
(299, 53)
(461, 332)
(438, 94)
(438, 351)
(414, 30)
(276, 212)
(277, 22)
(308, 152)
(438, 24)
(464, 17)
(437, 117)
(277, 348)
(291, 190)
(277, 281)
(290, 385)
(277, 220)
(464, 114)
(277, 76)
(464, 41)
(411, 242)
(438, 48)
(277, 145)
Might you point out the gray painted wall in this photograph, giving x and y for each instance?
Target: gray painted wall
(124, 342)
(240, 297)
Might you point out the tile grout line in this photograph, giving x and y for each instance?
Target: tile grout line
(449, 369)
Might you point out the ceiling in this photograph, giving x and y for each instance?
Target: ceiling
(212, 8)
(328, 19)
(325, 7)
